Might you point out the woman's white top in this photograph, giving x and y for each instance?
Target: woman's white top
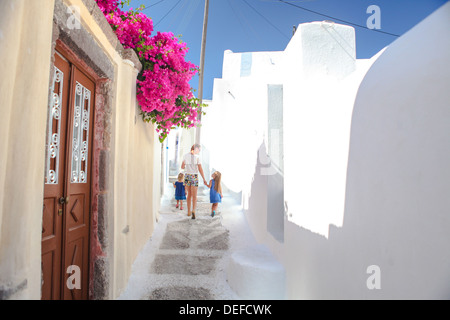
(191, 161)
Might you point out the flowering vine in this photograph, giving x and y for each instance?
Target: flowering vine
(163, 91)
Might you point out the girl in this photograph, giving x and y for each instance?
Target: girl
(180, 192)
(215, 193)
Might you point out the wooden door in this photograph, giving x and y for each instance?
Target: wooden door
(52, 218)
(66, 216)
(76, 224)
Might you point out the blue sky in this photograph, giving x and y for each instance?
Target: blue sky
(266, 25)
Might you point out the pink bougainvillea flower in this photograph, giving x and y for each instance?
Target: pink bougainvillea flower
(163, 91)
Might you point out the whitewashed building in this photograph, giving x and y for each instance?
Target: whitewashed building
(342, 165)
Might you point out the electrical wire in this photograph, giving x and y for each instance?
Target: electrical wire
(242, 17)
(189, 13)
(148, 7)
(334, 18)
(176, 14)
(267, 20)
(176, 4)
(235, 13)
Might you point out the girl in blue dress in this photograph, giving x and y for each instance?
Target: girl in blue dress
(180, 191)
(215, 193)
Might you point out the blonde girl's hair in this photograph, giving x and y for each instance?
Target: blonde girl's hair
(217, 179)
(180, 177)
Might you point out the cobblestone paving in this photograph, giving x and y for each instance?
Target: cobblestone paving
(188, 260)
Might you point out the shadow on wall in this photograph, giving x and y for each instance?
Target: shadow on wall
(398, 180)
(395, 240)
(266, 201)
(236, 196)
(208, 170)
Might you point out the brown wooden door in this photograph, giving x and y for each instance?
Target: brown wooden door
(52, 218)
(76, 224)
(66, 216)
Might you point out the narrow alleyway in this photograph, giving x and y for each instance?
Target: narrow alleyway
(186, 259)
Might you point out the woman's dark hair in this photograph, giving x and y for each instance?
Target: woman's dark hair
(195, 146)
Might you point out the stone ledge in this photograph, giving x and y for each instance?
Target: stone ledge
(129, 54)
(97, 14)
(254, 274)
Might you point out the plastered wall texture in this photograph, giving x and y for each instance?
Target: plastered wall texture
(121, 221)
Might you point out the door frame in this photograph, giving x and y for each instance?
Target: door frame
(60, 47)
(82, 48)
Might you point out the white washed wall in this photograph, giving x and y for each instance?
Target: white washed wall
(396, 213)
(366, 183)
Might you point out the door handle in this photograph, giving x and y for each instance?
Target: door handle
(63, 200)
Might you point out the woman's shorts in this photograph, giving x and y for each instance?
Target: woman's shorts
(191, 180)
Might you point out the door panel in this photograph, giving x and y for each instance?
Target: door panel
(49, 219)
(76, 217)
(75, 257)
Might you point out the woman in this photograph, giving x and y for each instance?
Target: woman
(192, 166)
